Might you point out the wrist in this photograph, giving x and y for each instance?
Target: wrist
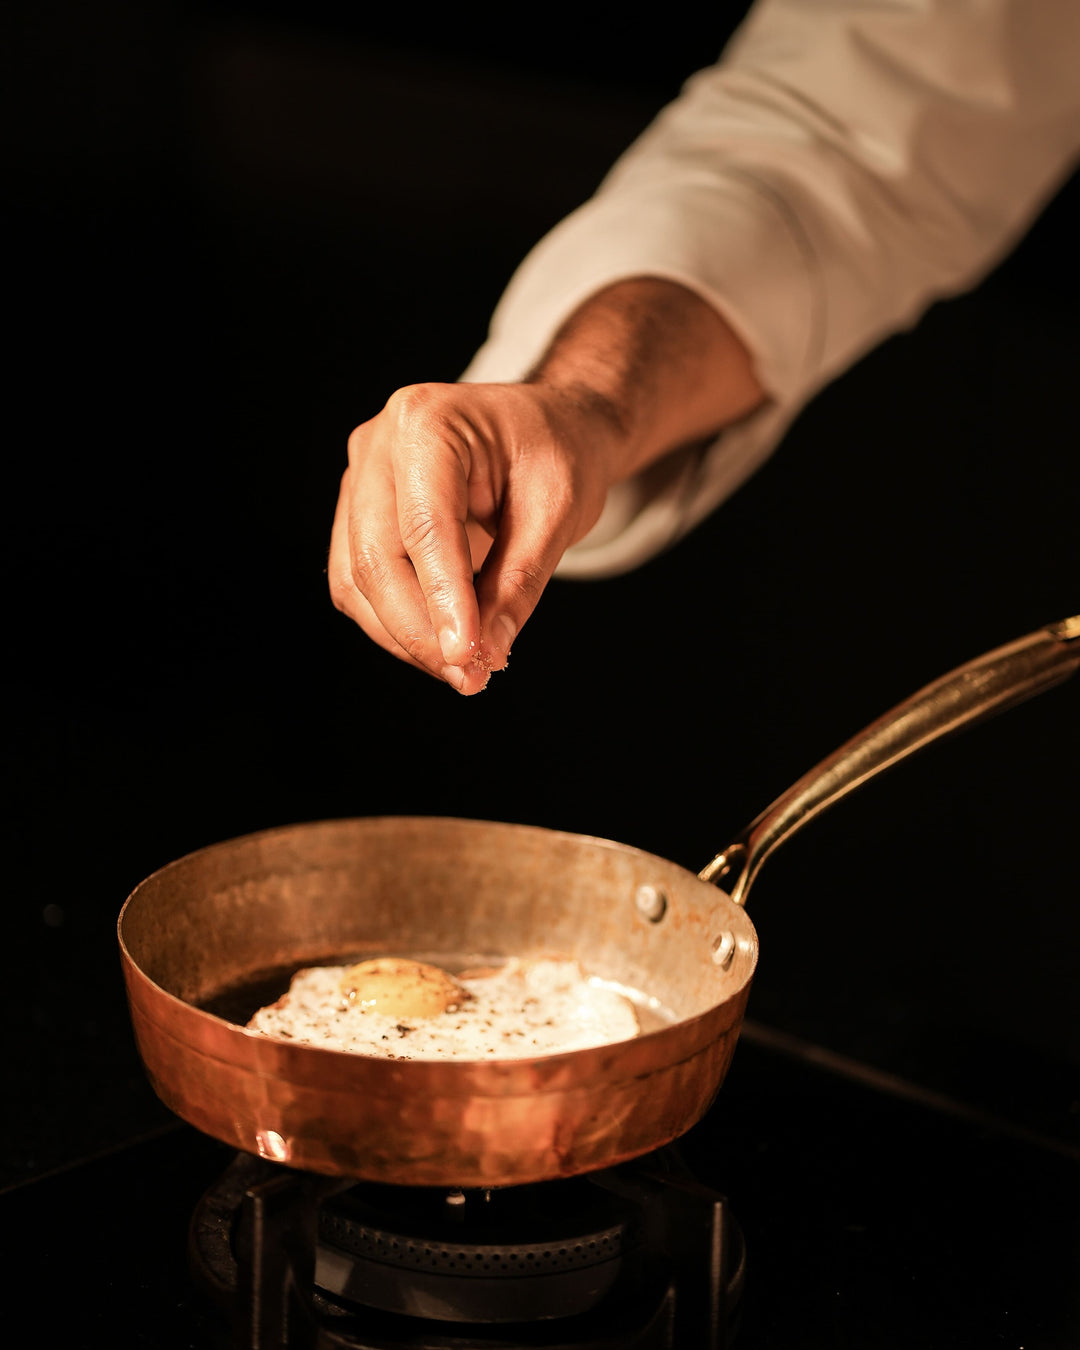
(602, 429)
(649, 366)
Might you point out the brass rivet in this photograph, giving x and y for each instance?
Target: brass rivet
(651, 903)
(723, 949)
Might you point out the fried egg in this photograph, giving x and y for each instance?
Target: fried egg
(397, 1008)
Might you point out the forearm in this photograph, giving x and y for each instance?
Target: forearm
(659, 365)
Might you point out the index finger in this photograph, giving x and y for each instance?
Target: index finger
(431, 478)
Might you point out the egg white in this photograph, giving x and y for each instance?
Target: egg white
(525, 1009)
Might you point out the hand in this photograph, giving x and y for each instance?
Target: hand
(460, 499)
(457, 504)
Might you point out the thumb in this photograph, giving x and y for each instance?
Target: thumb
(528, 546)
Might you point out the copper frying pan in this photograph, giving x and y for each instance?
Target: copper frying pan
(198, 936)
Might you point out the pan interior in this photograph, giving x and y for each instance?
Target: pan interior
(239, 1003)
(225, 928)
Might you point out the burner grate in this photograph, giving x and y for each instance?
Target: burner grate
(470, 1258)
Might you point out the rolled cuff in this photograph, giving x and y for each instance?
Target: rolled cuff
(762, 280)
(648, 514)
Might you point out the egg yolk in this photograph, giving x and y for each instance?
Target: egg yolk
(398, 987)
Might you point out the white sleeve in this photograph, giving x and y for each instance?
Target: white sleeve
(845, 164)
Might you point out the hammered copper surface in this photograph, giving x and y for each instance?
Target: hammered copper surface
(334, 890)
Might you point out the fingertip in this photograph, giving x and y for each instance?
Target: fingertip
(455, 677)
(476, 678)
(497, 640)
(456, 649)
(468, 679)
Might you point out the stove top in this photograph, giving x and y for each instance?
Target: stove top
(636, 1257)
(863, 1220)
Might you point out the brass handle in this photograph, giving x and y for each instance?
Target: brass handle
(985, 686)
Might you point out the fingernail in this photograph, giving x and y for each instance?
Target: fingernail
(449, 645)
(454, 675)
(503, 633)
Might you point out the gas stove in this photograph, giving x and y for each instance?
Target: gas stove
(807, 1211)
(641, 1255)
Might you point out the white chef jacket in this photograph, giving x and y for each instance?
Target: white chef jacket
(843, 165)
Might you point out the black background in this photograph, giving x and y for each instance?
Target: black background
(234, 231)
